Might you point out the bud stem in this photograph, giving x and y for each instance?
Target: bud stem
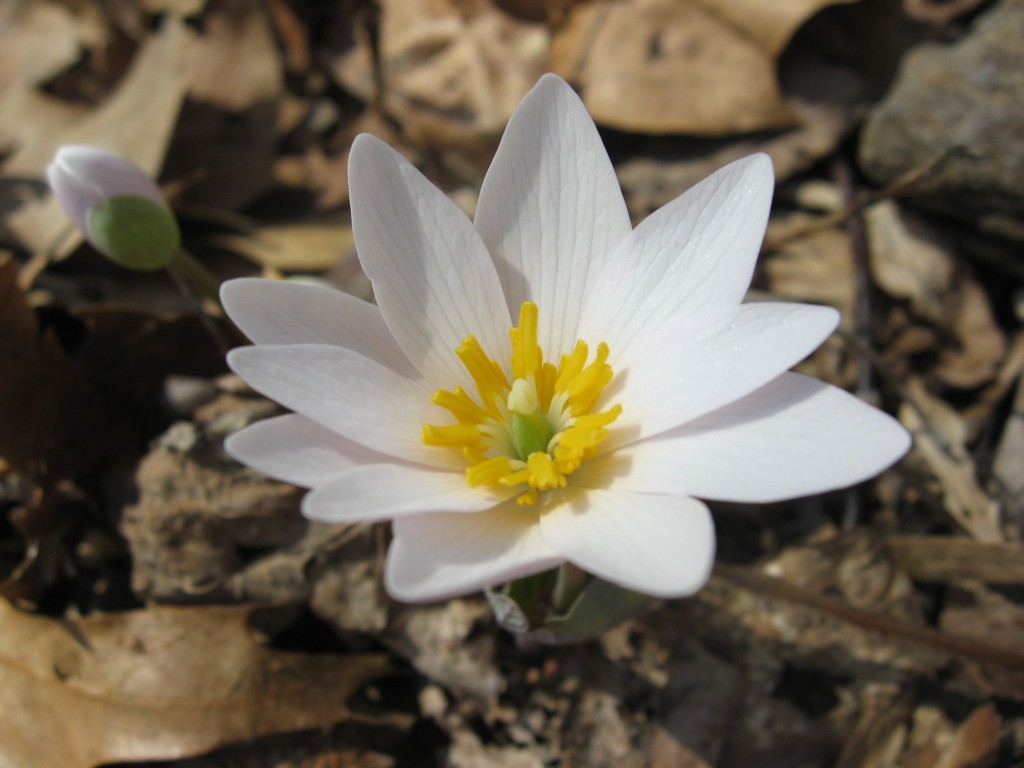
(198, 278)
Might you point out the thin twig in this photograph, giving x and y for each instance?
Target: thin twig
(760, 583)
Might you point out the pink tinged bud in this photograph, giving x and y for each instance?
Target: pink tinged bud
(118, 208)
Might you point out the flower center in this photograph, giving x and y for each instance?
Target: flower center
(535, 431)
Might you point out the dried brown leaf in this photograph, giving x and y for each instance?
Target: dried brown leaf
(912, 262)
(816, 267)
(39, 39)
(233, 34)
(452, 73)
(650, 182)
(51, 421)
(940, 437)
(666, 66)
(157, 684)
(975, 742)
(294, 247)
(987, 616)
(947, 559)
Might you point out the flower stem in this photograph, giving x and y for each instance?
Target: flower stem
(569, 584)
(186, 267)
(197, 282)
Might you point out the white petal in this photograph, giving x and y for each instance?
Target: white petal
(349, 394)
(82, 177)
(383, 491)
(680, 373)
(432, 276)
(652, 543)
(550, 210)
(692, 258)
(285, 312)
(794, 437)
(439, 556)
(296, 450)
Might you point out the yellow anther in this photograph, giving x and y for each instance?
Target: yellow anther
(460, 405)
(543, 474)
(574, 437)
(526, 355)
(516, 478)
(570, 366)
(586, 387)
(489, 471)
(595, 420)
(532, 434)
(473, 455)
(544, 380)
(487, 375)
(454, 435)
(527, 498)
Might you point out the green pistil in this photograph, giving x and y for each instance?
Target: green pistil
(531, 434)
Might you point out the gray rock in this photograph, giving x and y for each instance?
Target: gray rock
(963, 103)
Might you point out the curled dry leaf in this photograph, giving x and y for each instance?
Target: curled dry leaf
(909, 261)
(48, 39)
(157, 684)
(894, 734)
(452, 72)
(650, 182)
(233, 33)
(940, 437)
(680, 66)
(39, 40)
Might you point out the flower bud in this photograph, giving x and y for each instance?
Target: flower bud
(118, 208)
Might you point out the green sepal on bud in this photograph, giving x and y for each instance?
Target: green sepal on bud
(136, 232)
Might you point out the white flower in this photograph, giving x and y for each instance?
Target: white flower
(118, 208)
(493, 466)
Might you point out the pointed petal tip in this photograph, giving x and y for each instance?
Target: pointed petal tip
(549, 91)
(234, 293)
(366, 155)
(549, 81)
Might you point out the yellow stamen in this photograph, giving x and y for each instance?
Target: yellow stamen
(586, 387)
(527, 498)
(571, 365)
(460, 405)
(451, 435)
(516, 478)
(526, 355)
(545, 383)
(543, 474)
(487, 375)
(595, 420)
(537, 430)
(489, 471)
